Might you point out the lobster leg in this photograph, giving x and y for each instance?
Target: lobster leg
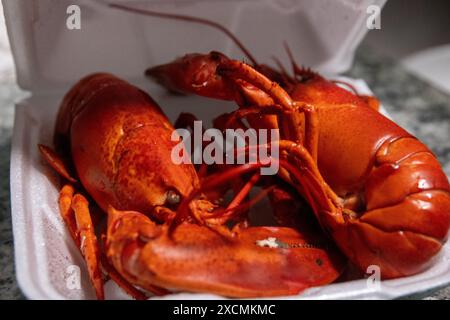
(214, 75)
(301, 154)
(56, 162)
(307, 180)
(235, 210)
(233, 119)
(243, 193)
(66, 211)
(88, 242)
(74, 210)
(240, 71)
(75, 213)
(67, 203)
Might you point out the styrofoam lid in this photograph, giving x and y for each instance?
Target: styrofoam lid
(322, 34)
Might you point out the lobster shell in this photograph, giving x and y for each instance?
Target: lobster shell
(119, 141)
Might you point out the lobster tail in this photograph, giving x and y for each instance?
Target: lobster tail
(407, 215)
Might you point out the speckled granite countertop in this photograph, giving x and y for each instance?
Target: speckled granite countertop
(9, 93)
(414, 104)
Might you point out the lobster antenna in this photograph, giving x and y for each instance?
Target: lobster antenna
(294, 64)
(298, 71)
(190, 19)
(286, 77)
(280, 65)
(243, 193)
(210, 182)
(230, 213)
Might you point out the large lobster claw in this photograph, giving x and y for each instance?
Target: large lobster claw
(257, 261)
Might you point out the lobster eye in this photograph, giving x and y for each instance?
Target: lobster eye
(173, 198)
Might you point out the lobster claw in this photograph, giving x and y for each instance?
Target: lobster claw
(194, 74)
(257, 261)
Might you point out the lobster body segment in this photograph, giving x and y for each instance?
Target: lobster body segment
(340, 132)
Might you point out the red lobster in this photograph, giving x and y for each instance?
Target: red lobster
(378, 192)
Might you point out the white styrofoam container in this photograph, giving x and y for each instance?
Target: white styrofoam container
(49, 58)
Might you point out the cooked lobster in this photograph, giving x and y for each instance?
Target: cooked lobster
(118, 142)
(377, 190)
